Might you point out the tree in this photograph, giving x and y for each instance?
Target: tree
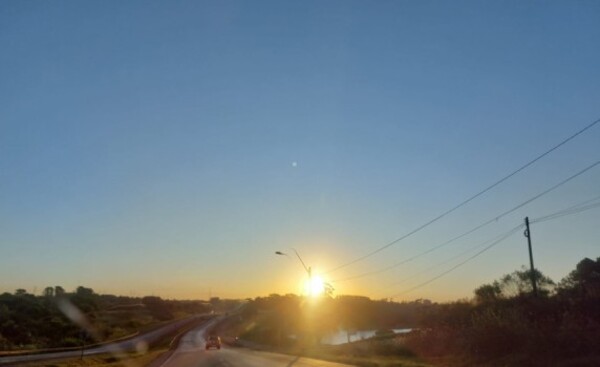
(48, 292)
(59, 291)
(20, 292)
(328, 289)
(585, 279)
(85, 299)
(488, 292)
(83, 291)
(518, 283)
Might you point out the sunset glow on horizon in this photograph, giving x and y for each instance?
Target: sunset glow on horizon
(173, 149)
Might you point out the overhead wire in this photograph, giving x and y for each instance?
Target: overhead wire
(464, 202)
(498, 241)
(574, 209)
(457, 256)
(496, 218)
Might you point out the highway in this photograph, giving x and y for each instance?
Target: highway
(190, 352)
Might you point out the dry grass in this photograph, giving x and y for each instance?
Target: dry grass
(101, 360)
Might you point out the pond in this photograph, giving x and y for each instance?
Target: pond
(343, 336)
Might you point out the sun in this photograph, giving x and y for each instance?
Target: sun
(315, 286)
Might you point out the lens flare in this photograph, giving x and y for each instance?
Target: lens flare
(314, 286)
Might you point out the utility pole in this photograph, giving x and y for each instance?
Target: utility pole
(528, 235)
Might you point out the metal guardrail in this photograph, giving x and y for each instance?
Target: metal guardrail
(26, 352)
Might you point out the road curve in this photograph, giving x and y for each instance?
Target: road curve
(190, 352)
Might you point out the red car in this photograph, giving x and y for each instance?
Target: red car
(213, 342)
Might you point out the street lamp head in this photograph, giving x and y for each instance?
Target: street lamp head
(299, 258)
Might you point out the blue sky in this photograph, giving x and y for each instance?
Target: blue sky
(170, 148)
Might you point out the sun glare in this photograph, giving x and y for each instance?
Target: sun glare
(315, 286)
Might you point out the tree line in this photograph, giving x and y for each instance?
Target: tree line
(507, 324)
(503, 321)
(30, 321)
(286, 320)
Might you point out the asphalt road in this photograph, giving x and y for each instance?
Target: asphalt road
(191, 353)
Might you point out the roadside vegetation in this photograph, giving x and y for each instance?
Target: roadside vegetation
(156, 353)
(104, 360)
(504, 324)
(295, 325)
(286, 320)
(59, 319)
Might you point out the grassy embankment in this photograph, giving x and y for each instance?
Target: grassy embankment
(369, 353)
(125, 359)
(102, 360)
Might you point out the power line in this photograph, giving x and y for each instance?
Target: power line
(575, 209)
(460, 263)
(496, 218)
(470, 249)
(467, 200)
(419, 254)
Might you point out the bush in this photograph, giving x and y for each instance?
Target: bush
(516, 328)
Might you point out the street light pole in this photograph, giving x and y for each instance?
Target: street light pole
(327, 288)
(306, 268)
